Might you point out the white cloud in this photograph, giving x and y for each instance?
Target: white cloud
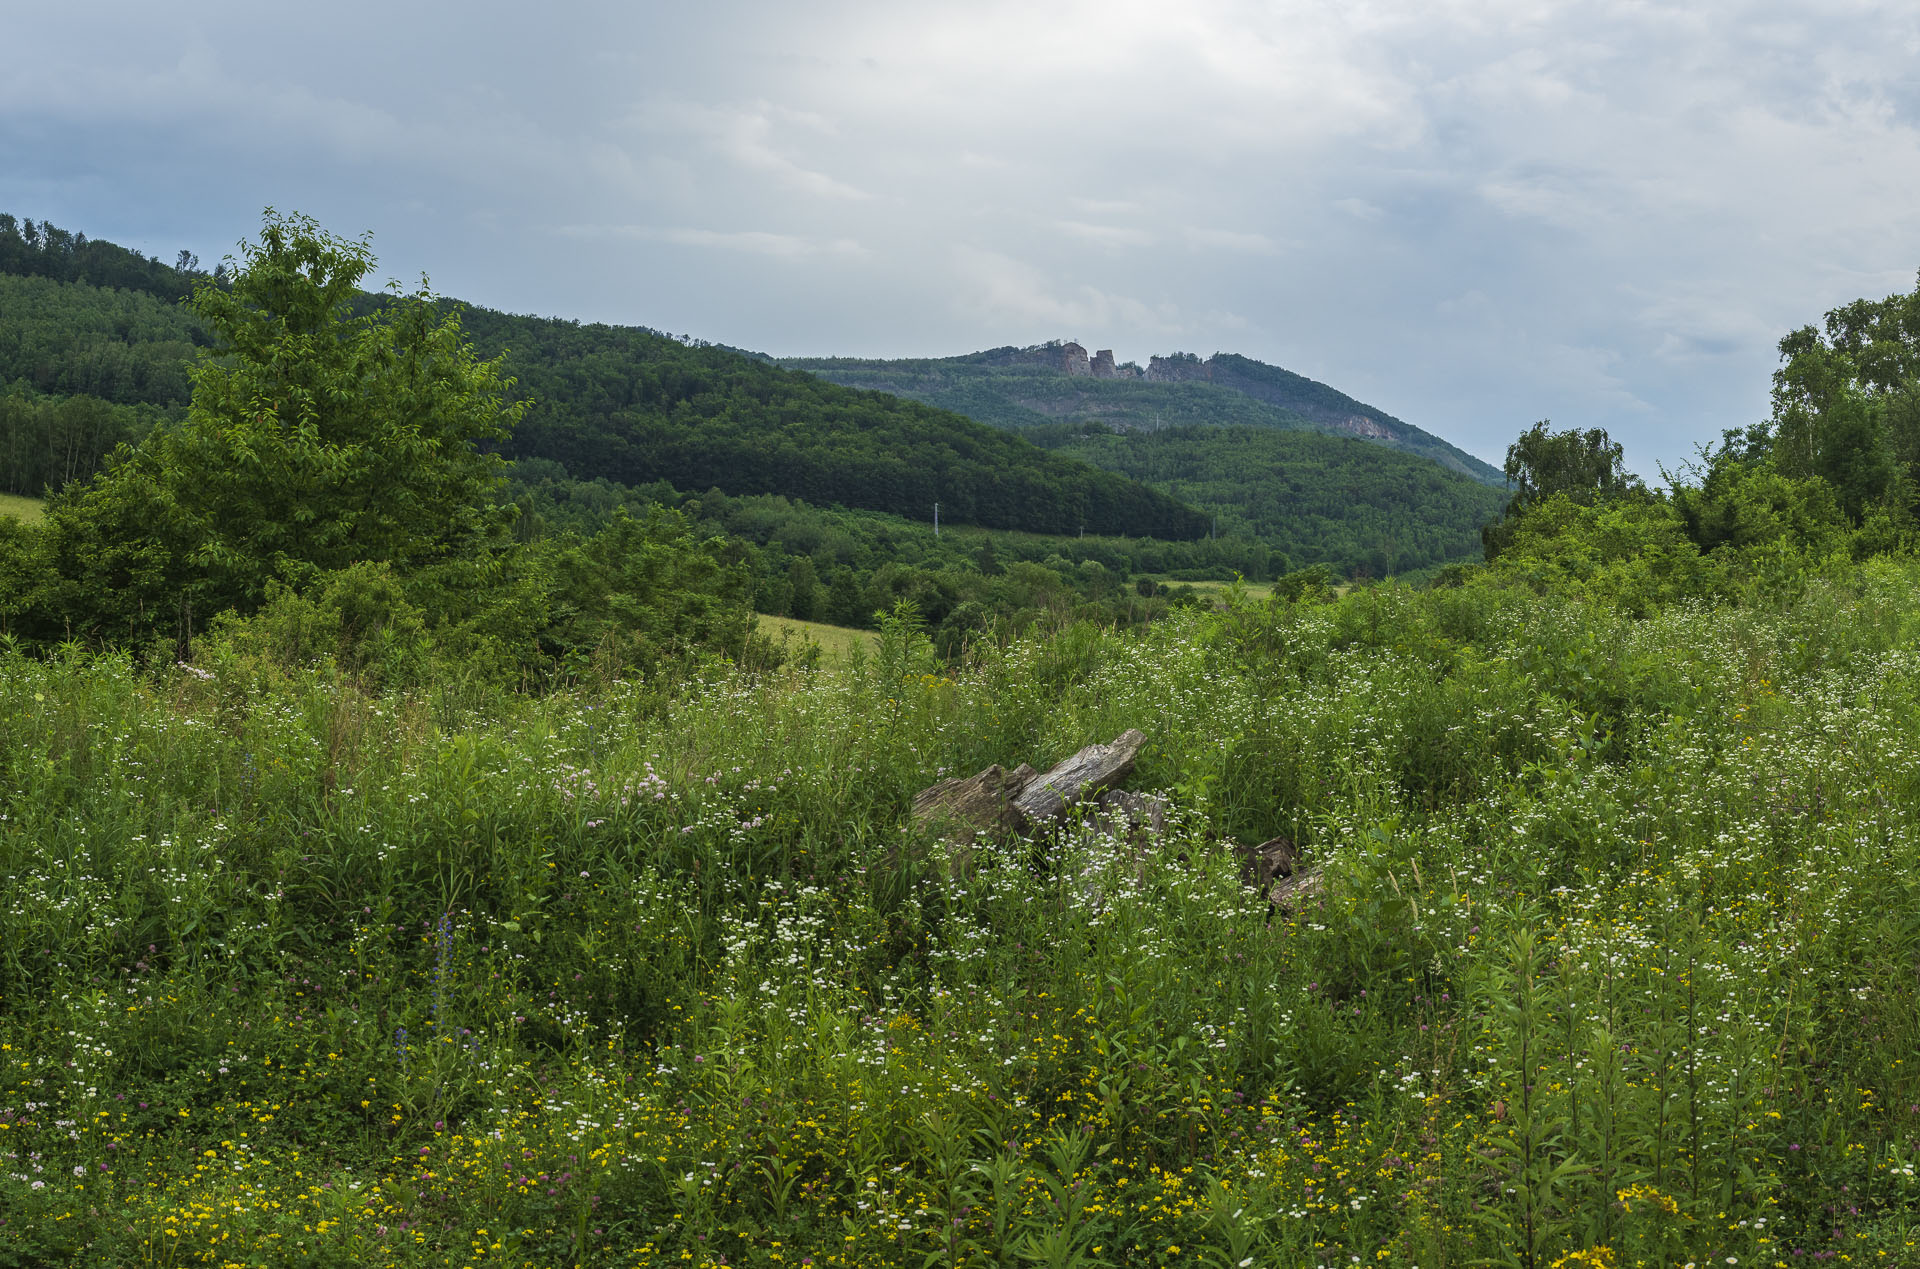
(1003, 289)
(1485, 211)
(745, 134)
(1112, 236)
(1229, 240)
(754, 241)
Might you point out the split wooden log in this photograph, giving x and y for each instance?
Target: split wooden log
(1084, 775)
(1290, 894)
(980, 803)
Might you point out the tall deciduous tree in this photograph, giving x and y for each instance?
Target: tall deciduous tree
(1846, 401)
(315, 439)
(1587, 467)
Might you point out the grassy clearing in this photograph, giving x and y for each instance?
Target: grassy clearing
(834, 641)
(20, 508)
(1213, 590)
(1615, 965)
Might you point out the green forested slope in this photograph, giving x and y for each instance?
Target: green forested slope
(636, 406)
(1329, 407)
(1332, 500)
(88, 319)
(1026, 387)
(1022, 396)
(127, 347)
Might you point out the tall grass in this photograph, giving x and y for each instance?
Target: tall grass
(1616, 965)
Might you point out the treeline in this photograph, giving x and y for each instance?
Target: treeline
(1356, 508)
(45, 442)
(850, 567)
(1831, 478)
(44, 250)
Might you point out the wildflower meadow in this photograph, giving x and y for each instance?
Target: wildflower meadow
(1617, 962)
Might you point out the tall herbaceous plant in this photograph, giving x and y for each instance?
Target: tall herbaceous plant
(1614, 963)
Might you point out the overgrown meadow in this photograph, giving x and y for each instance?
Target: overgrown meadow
(1616, 964)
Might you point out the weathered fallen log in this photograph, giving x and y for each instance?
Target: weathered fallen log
(980, 803)
(1291, 893)
(1084, 775)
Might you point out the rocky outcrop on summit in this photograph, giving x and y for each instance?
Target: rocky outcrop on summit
(1173, 390)
(1179, 368)
(1069, 358)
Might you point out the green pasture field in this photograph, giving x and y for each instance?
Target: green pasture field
(20, 508)
(834, 641)
(1254, 590)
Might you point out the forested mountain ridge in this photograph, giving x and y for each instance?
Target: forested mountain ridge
(1057, 382)
(85, 318)
(84, 367)
(636, 406)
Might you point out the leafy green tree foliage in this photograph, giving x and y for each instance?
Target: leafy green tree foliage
(315, 440)
(1632, 553)
(1743, 502)
(48, 442)
(640, 593)
(1587, 467)
(23, 573)
(1846, 403)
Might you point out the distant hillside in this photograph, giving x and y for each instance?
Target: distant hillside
(1059, 382)
(1333, 500)
(637, 406)
(94, 348)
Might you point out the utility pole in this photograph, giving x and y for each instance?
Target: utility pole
(936, 519)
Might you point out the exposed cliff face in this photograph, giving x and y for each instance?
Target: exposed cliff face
(1069, 358)
(1179, 368)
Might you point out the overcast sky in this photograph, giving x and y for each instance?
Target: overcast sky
(1471, 215)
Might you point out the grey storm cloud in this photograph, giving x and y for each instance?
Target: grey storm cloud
(1473, 215)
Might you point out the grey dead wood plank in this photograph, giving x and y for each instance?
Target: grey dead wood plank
(979, 803)
(1088, 772)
